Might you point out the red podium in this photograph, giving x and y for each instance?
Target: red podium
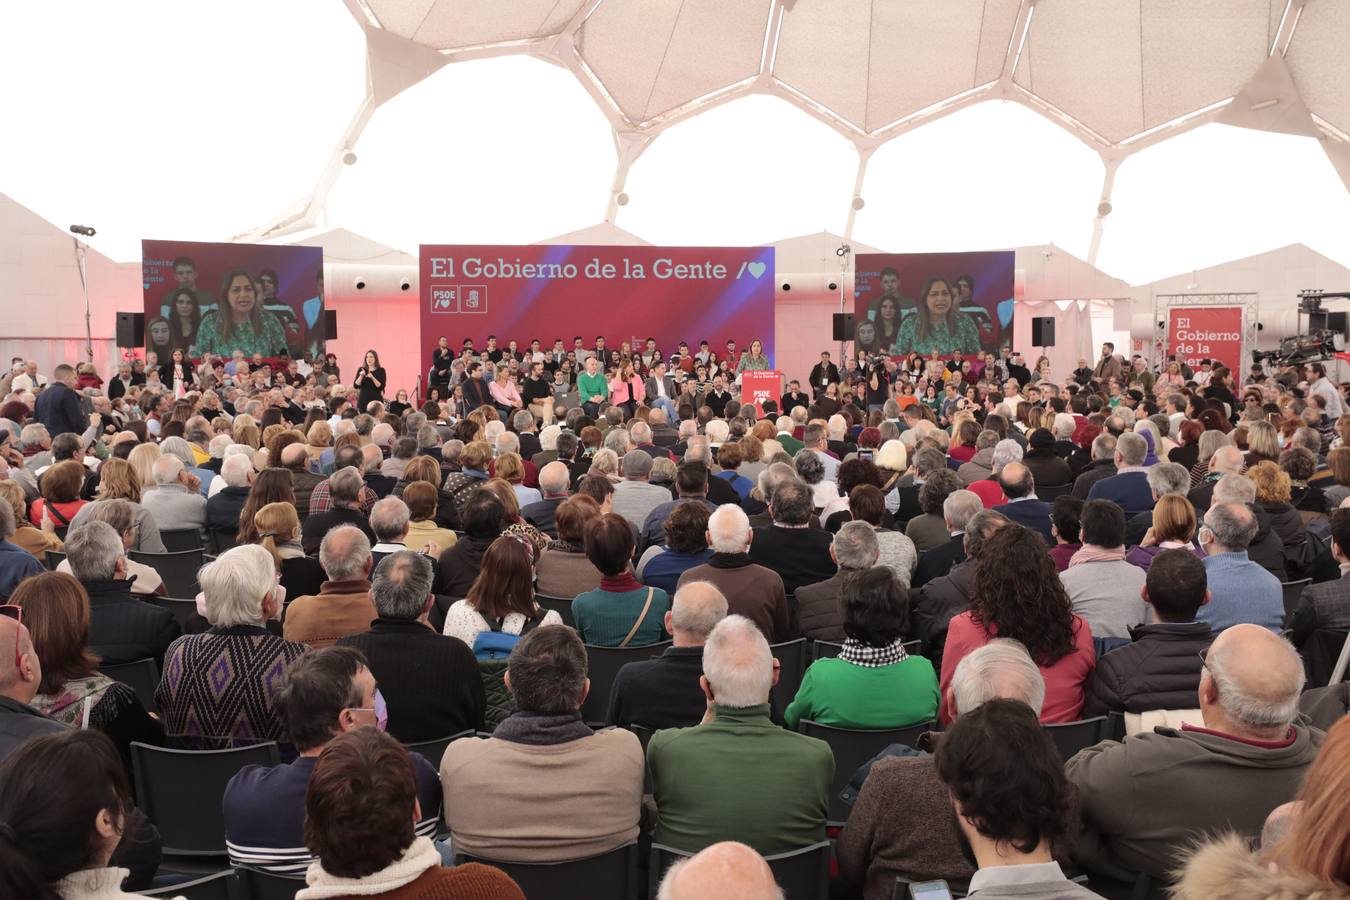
(756, 387)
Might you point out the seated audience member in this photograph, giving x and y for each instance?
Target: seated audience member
(174, 504)
(990, 492)
(1273, 493)
(405, 656)
(957, 510)
(1017, 595)
(60, 501)
(563, 569)
(424, 534)
(1226, 460)
(1103, 588)
(1308, 861)
(876, 846)
(691, 484)
(225, 505)
(933, 606)
(1046, 466)
(16, 563)
(1160, 668)
(484, 519)
(897, 552)
(1011, 799)
(929, 530)
(634, 496)
(685, 546)
(73, 691)
(1146, 800)
(1128, 488)
(1164, 480)
(501, 598)
(1102, 465)
(119, 481)
(727, 869)
(553, 484)
(798, 553)
(620, 612)
(1023, 506)
(1173, 528)
(69, 823)
(361, 808)
(544, 787)
(751, 590)
(27, 536)
(204, 707)
(1240, 590)
(664, 692)
(121, 627)
(1066, 526)
(873, 683)
(342, 606)
(702, 776)
(20, 679)
(344, 487)
(324, 694)
(278, 530)
(820, 606)
(1326, 605)
(121, 515)
(1266, 549)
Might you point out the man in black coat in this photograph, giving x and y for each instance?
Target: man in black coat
(542, 514)
(1103, 465)
(345, 490)
(798, 553)
(823, 374)
(58, 406)
(1160, 668)
(121, 628)
(794, 397)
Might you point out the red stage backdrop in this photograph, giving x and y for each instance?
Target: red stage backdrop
(287, 281)
(969, 302)
(547, 291)
(1206, 332)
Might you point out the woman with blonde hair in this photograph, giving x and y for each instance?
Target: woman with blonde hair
(36, 541)
(511, 469)
(118, 481)
(1310, 862)
(246, 431)
(1338, 460)
(318, 439)
(1210, 441)
(1274, 493)
(278, 528)
(142, 459)
(1174, 527)
(1263, 443)
(606, 463)
(515, 524)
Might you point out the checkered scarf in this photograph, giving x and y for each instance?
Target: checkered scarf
(860, 654)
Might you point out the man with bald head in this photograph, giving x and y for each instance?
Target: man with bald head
(1242, 591)
(372, 464)
(752, 590)
(19, 679)
(554, 480)
(727, 869)
(343, 605)
(1023, 506)
(664, 692)
(1148, 799)
(1226, 460)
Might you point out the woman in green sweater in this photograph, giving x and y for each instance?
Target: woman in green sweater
(873, 683)
(621, 612)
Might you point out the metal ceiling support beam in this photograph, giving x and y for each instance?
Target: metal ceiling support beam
(1288, 24)
(864, 156)
(1103, 210)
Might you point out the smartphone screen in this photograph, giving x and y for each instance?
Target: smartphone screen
(866, 454)
(930, 890)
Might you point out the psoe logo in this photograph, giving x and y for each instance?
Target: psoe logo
(444, 298)
(473, 298)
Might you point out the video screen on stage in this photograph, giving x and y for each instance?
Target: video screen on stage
(933, 302)
(626, 294)
(218, 298)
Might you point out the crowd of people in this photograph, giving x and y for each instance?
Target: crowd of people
(966, 546)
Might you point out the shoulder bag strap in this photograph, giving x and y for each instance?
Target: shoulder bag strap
(638, 624)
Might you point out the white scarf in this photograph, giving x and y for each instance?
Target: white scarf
(420, 856)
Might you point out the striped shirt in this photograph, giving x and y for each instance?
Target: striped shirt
(265, 814)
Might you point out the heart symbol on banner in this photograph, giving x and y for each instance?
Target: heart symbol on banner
(756, 268)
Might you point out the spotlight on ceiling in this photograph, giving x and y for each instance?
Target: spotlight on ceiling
(859, 203)
(404, 285)
(622, 199)
(349, 158)
(1104, 208)
(360, 284)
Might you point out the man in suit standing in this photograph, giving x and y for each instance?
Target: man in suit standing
(661, 390)
(1023, 507)
(1109, 366)
(822, 374)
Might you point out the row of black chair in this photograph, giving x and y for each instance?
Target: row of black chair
(241, 883)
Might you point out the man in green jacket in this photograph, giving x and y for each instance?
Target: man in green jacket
(592, 388)
(737, 776)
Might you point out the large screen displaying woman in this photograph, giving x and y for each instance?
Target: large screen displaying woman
(929, 303)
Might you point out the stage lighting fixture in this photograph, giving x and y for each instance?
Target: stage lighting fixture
(834, 286)
(843, 250)
(859, 203)
(404, 285)
(1104, 208)
(622, 199)
(349, 158)
(360, 284)
(786, 286)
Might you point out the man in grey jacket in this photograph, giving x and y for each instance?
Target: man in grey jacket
(175, 503)
(1146, 800)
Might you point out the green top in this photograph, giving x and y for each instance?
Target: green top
(790, 443)
(940, 337)
(604, 617)
(839, 693)
(267, 340)
(750, 363)
(740, 778)
(589, 385)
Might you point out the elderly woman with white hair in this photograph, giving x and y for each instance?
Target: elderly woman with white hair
(893, 461)
(217, 689)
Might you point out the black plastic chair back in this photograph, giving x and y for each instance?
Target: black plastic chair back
(213, 887)
(434, 750)
(178, 570)
(221, 539)
(610, 876)
(260, 885)
(1292, 590)
(825, 650)
(178, 540)
(180, 791)
(1070, 737)
(142, 676)
(792, 658)
(854, 746)
(561, 605)
(54, 559)
(439, 609)
(603, 664)
(803, 874)
(183, 610)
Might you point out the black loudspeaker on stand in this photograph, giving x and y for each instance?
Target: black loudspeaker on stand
(843, 326)
(1043, 331)
(131, 329)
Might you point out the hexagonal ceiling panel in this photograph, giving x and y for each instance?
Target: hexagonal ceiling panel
(451, 24)
(1318, 61)
(654, 55)
(873, 63)
(1121, 67)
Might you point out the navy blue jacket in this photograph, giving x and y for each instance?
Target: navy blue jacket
(58, 407)
(1033, 514)
(1128, 490)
